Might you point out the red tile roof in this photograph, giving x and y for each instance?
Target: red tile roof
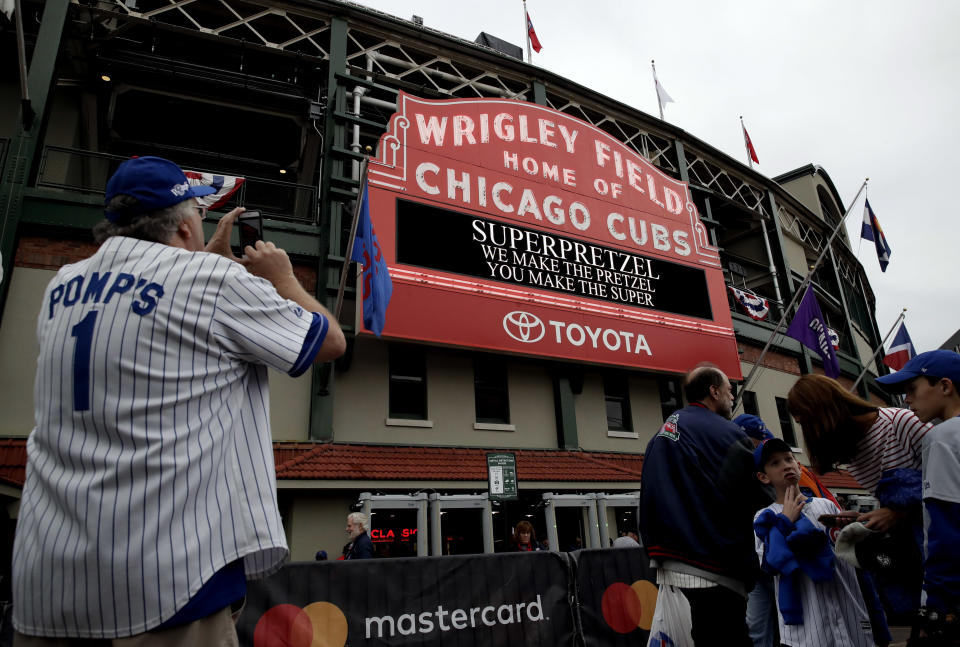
(840, 479)
(345, 461)
(382, 462)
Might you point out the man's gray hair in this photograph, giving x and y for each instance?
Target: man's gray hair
(155, 226)
(359, 518)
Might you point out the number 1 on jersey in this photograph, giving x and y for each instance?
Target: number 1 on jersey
(83, 331)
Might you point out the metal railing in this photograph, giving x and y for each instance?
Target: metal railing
(83, 171)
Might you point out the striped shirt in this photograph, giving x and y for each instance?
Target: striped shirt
(671, 572)
(895, 440)
(834, 614)
(151, 464)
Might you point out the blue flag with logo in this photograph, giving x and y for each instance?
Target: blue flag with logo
(810, 329)
(377, 286)
(870, 230)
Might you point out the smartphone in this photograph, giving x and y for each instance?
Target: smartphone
(836, 520)
(251, 229)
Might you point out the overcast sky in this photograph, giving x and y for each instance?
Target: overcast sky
(863, 88)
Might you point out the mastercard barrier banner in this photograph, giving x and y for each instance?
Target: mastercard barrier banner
(477, 600)
(616, 595)
(514, 227)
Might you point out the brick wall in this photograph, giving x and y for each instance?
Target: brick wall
(773, 359)
(52, 253)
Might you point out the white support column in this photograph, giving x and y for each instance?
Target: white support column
(604, 522)
(550, 512)
(487, 521)
(436, 535)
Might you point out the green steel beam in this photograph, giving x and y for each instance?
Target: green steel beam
(682, 161)
(787, 287)
(539, 93)
(862, 388)
(322, 379)
(566, 410)
(24, 144)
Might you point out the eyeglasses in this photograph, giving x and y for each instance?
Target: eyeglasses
(202, 211)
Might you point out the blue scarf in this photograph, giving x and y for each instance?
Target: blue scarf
(792, 551)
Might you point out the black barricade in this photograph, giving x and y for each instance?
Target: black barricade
(521, 599)
(616, 594)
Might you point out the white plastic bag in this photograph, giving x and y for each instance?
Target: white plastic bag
(672, 622)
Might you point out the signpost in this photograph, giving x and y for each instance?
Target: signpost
(502, 476)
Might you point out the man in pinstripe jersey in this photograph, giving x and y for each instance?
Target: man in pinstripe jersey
(150, 495)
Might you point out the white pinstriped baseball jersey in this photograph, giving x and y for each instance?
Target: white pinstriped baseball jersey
(151, 463)
(834, 613)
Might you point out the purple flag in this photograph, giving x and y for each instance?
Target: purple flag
(809, 328)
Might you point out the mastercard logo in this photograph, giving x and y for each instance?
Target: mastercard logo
(319, 624)
(627, 607)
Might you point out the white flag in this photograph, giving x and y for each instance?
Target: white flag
(6, 6)
(662, 95)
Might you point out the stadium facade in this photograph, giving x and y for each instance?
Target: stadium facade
(292, 96)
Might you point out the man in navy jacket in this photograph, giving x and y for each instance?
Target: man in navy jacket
(697, 501)
(360, 546)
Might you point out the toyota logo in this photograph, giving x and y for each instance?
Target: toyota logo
(524, 327)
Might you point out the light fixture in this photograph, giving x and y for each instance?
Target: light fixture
(105, 77)
(283, 171)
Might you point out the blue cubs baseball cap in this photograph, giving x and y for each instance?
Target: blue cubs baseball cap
(753, 426)
(155, 182)
(933, 363)
(770, 446)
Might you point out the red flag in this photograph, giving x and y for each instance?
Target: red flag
(750, 148)
(534, 41)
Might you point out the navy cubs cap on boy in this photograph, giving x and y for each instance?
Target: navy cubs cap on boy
(753, 426)
(156, 183)
(763, 451)
(933, 363)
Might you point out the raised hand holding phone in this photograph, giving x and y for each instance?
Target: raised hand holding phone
(251, 230)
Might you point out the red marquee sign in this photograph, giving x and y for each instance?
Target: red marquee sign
(513, 227)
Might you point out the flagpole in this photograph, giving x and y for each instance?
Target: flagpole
(26, 108)
(879, 348)
(526, 30)
(656, 88)
(796, 295)
(745, 145)
(860, 237)
(353, 235)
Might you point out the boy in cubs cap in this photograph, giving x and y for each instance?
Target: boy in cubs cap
(819, 601)
(931, 381)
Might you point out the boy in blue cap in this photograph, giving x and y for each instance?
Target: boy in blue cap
(931, 381)
(818, 599)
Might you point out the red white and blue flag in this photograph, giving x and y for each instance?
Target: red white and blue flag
(755, 306)
(226, 186)
(532, 35)
(901, 349)
(871, 231)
